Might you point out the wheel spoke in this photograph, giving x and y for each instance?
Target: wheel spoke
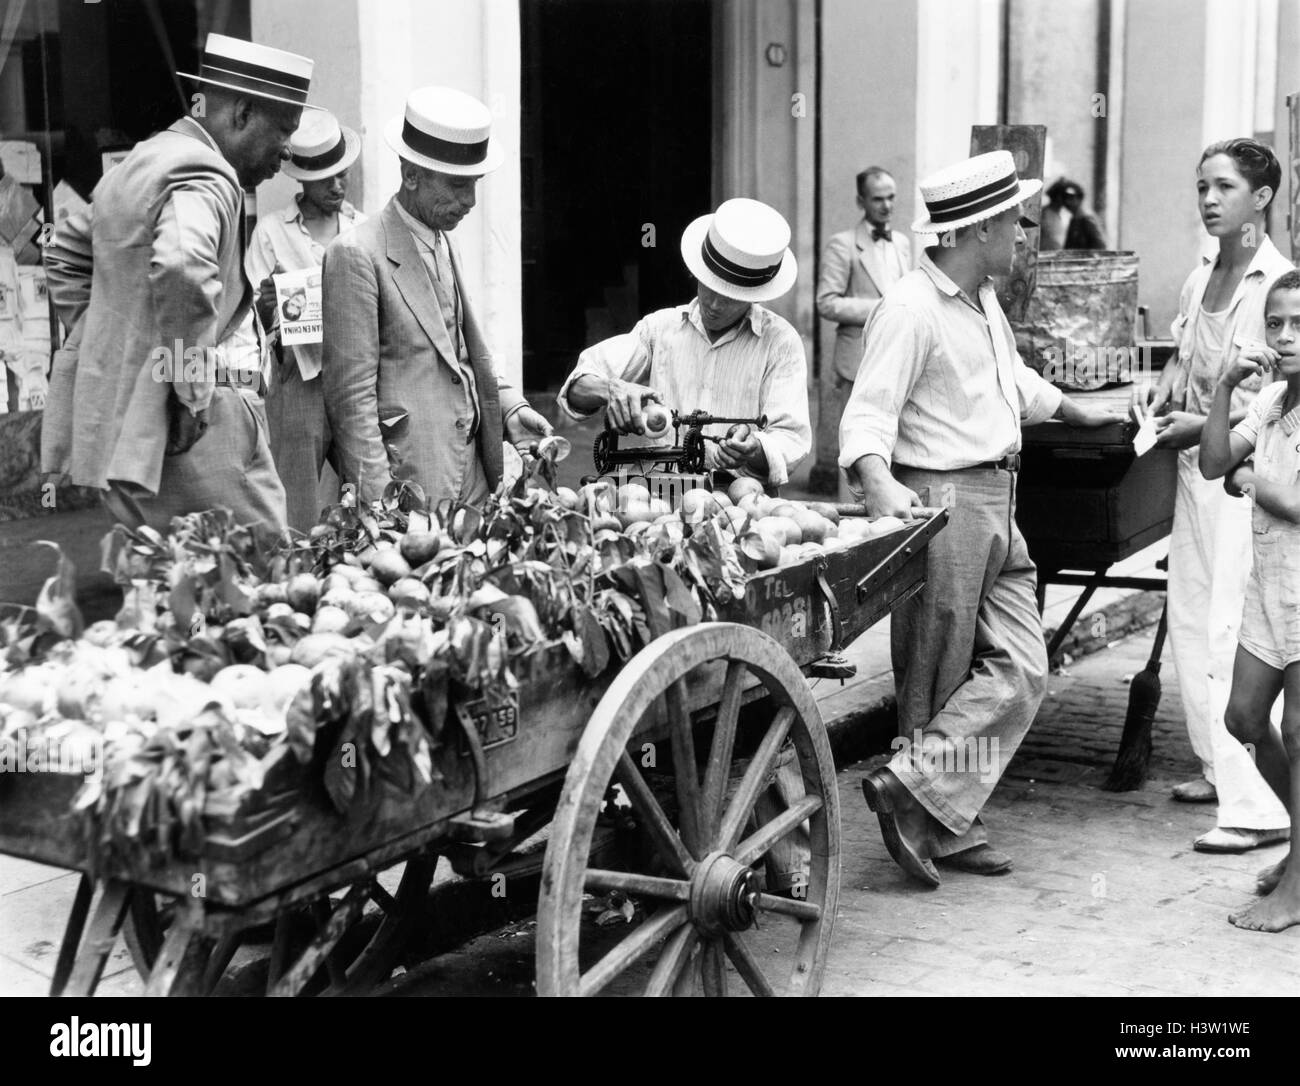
(803, 911)
(675, 956)
(746, 965)
(753, 847)
(684, 986)
(632, 949)
(685, 774)
(724, 741)
(714, 967)
(755, 777)
(666, 842)
(646, 885)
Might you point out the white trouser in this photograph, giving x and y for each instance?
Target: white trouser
(1209, 564)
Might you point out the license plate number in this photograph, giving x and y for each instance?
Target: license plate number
(496, 721)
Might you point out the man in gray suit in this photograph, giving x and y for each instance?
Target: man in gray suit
(411, 390)
(857, 267)
(160, 406)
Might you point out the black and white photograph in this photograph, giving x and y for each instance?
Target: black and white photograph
(511, 498)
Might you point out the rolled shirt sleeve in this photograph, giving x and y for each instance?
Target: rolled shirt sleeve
(895, 347)
(1039, 398)
(625, 357)
(1248, 428)
(788, 437)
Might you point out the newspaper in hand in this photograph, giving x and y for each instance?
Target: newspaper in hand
(1145, 439)
(298, 297)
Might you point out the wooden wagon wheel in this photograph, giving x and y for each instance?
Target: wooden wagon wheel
(702, 883)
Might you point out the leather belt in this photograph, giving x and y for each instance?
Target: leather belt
(253, 382)
(1007, 463)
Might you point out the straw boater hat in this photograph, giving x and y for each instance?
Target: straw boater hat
(972, 191)
(741, 251)
(254, 69)
(321, 147)
(445, 130)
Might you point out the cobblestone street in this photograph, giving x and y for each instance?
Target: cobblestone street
(1107, 896)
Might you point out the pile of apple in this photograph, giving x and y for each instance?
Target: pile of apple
(96, 687)
(769, 532)
(352, 600)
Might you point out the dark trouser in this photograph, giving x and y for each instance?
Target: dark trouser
(970, 666)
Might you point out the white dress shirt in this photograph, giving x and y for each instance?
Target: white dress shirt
(941, 386)
(891, 264)
(756, 368)
(282, 238)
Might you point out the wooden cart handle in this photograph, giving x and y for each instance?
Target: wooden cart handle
(856, 509)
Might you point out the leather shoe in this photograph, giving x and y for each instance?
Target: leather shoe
(1227, 839)
(1195, 791)
(979, 860)
(879, 795)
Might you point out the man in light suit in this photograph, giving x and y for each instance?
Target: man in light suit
(858, 266)
(160, 405)
(411, 390)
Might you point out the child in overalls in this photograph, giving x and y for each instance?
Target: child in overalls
(1268, 650)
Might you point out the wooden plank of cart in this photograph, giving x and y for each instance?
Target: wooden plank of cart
(729, 699)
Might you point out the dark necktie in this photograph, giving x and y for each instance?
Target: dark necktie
(879, 233)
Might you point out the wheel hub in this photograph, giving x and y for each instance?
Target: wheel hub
(723, 892)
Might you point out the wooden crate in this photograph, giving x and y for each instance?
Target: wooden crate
(1085, 500)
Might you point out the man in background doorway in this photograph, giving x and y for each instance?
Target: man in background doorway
(857, 267)
(1055, 219)
(1085, 231)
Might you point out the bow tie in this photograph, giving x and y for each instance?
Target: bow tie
(879, 233)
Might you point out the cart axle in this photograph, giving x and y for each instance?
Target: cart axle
(723, 894)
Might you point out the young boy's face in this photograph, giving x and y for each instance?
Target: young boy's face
(1282, 329)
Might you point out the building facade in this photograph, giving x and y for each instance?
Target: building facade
(624, 119)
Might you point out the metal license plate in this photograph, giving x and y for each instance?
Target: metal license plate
(496, 721)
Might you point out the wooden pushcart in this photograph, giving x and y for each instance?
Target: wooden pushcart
(690, 730)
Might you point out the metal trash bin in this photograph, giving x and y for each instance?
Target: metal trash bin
(1079, 329)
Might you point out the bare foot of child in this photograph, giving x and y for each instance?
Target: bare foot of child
(1267, 880)
(1277, 912)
